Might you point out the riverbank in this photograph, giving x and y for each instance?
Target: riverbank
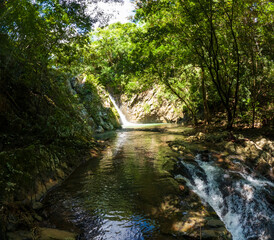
(232, 171)
(20, 209)
(46, 131)
(29, 220)
(254, 147)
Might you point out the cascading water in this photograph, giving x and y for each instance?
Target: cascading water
(126, 123)
(123, 118)
(242, 202)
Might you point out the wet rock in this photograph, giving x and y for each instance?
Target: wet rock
(205, 156)
(263, 167)
(55, 234)
(231, 147)
(218, 233)
(209, 234)
(215, 223)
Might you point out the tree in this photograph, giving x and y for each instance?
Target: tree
(212, 31)
(108, 55)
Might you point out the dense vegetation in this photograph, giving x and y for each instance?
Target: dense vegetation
(215, 56)
(43, 97)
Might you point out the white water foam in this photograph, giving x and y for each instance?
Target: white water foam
(238, 199)
(125, 122)
(123, 118)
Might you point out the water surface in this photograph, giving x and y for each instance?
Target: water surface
(127, 194)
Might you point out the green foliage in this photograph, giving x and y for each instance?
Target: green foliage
(146, 108)
(108, 55)
(227, 40)
(213, 56)
(40, 46)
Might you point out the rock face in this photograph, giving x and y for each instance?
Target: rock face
(94, 104)
(151, 106)
(258, 154)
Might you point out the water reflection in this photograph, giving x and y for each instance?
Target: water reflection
(126, 194)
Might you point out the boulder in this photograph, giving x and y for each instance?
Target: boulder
(215, 233)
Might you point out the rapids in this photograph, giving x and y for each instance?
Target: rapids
(240, 200)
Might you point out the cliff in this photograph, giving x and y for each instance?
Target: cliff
(152, 106)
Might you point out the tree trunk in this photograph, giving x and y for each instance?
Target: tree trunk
(206, 109)
(194, 118)
(230, 119)
(253, 115)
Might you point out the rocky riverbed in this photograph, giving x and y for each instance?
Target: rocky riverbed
(233, 173)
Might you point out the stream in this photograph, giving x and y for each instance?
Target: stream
(128, 193)
(241, 201)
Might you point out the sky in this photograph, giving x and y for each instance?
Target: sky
(119, 12)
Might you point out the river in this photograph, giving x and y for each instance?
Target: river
(129, 194)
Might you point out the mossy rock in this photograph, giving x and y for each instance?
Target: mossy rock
(55, 234)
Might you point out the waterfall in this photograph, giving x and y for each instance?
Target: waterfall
(123, 118)
(125, 122)
(241, 201)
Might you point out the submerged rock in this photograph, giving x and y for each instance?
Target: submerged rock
(55, 234)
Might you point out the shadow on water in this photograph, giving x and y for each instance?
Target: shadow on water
(127, 194)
